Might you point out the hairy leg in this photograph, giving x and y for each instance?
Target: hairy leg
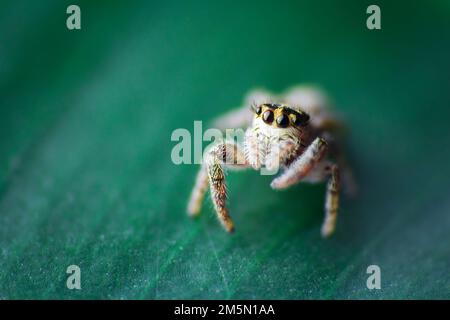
(301, 166)
(331, 202)
(212, 171)
(198, 192)
(222, 154)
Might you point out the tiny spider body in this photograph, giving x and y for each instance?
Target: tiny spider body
(297, 135)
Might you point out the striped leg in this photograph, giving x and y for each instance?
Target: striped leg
(219, 194)
(228, 154)
(224, 154)
(331, 203)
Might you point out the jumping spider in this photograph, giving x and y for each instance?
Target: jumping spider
(298, 134)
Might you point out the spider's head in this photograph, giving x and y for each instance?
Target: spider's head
(280, 116)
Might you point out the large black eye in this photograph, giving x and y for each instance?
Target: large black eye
(301, 119)
(283, 121)
(268, 116)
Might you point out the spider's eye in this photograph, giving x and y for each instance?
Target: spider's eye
(268, 116)
(283, 121)
(258, 110)
(301, 119)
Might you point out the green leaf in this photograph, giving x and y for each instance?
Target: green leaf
(86, 176)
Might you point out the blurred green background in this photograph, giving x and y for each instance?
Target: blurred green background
(86, 176)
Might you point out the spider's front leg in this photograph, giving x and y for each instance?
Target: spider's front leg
(306, 166)
(212, 171)
(301, 166)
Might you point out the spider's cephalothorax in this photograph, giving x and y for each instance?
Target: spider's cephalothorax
(277, 134)
(289, 136)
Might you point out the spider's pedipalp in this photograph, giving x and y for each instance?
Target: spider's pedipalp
(253, 152)
(279, 152)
